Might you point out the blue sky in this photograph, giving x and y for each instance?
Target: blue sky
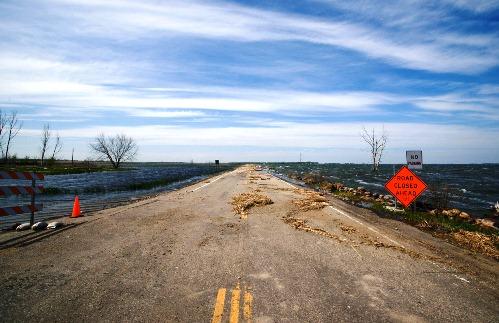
(255, 80)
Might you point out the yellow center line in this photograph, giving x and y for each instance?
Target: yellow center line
(234, 305)
(248, 304)
(219, 306)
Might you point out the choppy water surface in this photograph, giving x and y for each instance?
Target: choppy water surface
(474, 188)
(105, 189)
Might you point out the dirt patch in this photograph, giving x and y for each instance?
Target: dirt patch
(478, 242)
(311, 200)
(300, 224)
(243, 202)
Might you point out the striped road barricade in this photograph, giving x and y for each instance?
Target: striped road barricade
(18, 190)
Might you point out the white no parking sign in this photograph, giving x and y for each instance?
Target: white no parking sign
(414, 159)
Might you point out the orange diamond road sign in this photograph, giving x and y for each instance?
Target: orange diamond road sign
(405, 186)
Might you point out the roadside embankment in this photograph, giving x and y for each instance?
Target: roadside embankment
(459, 227)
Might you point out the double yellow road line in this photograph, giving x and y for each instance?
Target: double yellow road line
(234, 305)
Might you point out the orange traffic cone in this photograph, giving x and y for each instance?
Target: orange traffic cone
(76, 208)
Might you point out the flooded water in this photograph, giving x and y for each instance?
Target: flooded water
(473, 188)
(106, 189)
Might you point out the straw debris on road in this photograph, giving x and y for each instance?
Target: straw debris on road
(243, 202)
(311, 201)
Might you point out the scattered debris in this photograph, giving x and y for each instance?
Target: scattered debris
(411, 253)
(348, 229)
(476, 241)
(300, 224)
(243, 202)
(312, 200)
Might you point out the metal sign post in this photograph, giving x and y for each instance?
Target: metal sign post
(32, 218)
(394, 198)
(405, 186)
(414, 161)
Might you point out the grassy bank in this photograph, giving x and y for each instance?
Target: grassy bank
(421, 219)
(57, 167)
(61, 170)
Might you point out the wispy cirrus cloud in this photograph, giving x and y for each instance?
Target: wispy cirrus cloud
(129, 20)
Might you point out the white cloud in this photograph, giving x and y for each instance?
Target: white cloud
(290, 134)
(166, 114)
(128, 20)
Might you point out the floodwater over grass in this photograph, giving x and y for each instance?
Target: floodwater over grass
(98, 190)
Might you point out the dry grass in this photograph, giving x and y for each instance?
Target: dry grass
(478, 242)
(311, 200)
(243, 202)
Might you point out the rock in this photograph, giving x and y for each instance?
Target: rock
(433, 212)
(381, 196)
(485, 223)
(464, 216)
(361, 189)
(39, 226)
(387, 197)
(454, 212)
(367, 193)
(326, 186)
(22, 227)
(338, 186)
(55, 225)
(394, 209)
(446, 213)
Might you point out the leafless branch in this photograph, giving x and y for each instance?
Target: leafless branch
(377, 144)
(57, 146)
(3, 125)
(116, 149)
(14, 126)
(46, 134)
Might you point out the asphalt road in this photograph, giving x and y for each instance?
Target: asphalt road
(185, 256)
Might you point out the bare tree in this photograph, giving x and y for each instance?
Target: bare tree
(377, 144)
(14, 126)
(57, 146)
(46, 134)
(116, 149)
(3, 126)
